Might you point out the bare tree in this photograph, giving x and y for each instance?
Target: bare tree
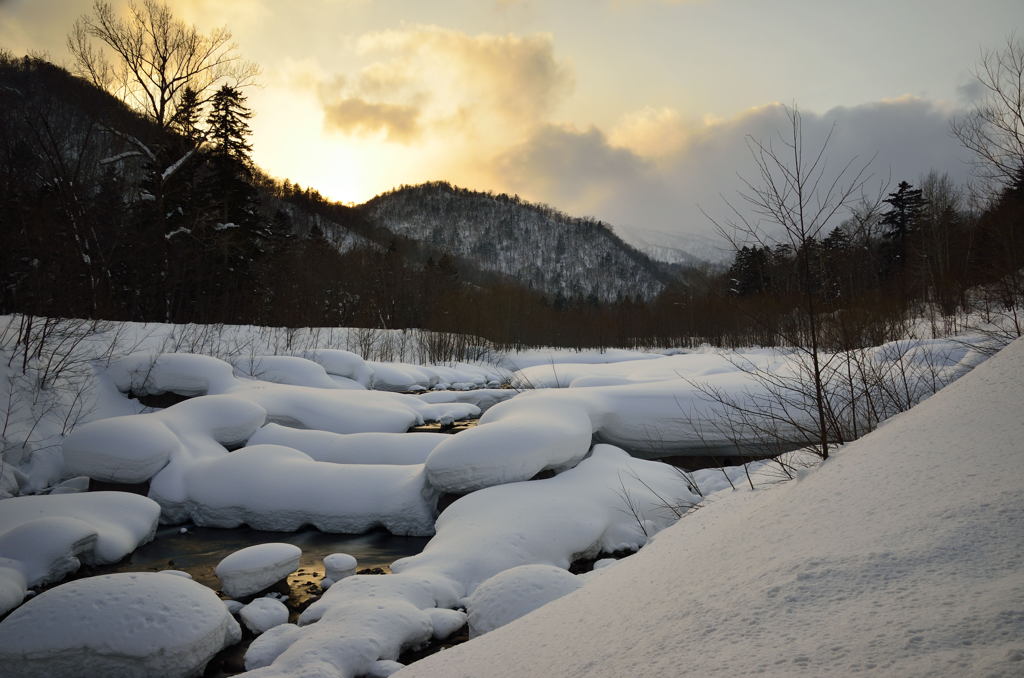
(794, 201)
(150, 58)
(994, 130)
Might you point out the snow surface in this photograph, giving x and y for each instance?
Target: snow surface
(254, 568)
(579, 513)
(44, 538)
(131, 624)
(901, 555)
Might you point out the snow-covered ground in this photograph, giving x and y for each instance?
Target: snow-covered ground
(277, 436)
(902, 555)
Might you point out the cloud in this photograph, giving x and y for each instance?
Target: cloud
(398, 123)
(650, 132)
(657, 198)
(485, 88)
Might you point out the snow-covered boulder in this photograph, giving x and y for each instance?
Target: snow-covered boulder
(263, 614)
(515, 440)
(46, 537)
(342, 364)
(509, 595)
(254, 568)
(182, 373)
(270, 487)
(129, 449)
(131, 624)
(352, 448)
(339, 565)
(578, 513)
(284, 369)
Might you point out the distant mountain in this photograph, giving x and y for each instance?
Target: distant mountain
(687, 249)
(535, 245)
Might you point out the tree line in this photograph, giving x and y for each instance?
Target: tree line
(129, 193)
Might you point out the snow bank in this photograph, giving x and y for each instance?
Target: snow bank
(352, 448)
(579, 513)
(509, 595)
(254, 568)
(514, 441)
(270, 487)
(137, 624)
(901, 555)
(46, 537)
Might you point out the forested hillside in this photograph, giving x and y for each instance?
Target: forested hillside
(535, 245)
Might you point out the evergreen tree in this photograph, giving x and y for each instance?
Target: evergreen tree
(186, 117)
(907, 205)
(232, 166)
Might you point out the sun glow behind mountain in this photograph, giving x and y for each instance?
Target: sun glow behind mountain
(634, 111)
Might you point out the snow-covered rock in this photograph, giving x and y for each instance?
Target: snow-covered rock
(129, 449)
(514, 441)
(281, 369)
(900, 555)
(352, 448)
(46, 537)
(484, 398)
(271, 487)
(364, 618)
(254, 568)
(342, 364)
(182, 373)
(129, 624)
(509, 595)
(339, 565)
(263, 614)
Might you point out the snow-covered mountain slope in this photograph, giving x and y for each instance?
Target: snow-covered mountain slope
(902, 555)
(533, 244)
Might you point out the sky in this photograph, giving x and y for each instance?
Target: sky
(633, 111)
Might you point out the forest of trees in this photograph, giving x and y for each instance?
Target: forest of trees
(147, 206)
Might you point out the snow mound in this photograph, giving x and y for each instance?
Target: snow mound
(339, 565)
(182, 373)
(514, 441)
(578, 513)
(509, 595)
(352, 448)
(270, 487)
(483, 398)
(254, 568)
(292, 370)
(342, 364)
(263, 614)
(99, 450)
(43, 538)
(900, 556)
(137, 624)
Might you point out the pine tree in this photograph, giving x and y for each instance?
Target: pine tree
(186, 117)
(232, 166)
(229, 126)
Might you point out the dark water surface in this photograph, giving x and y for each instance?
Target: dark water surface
(198, 551)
